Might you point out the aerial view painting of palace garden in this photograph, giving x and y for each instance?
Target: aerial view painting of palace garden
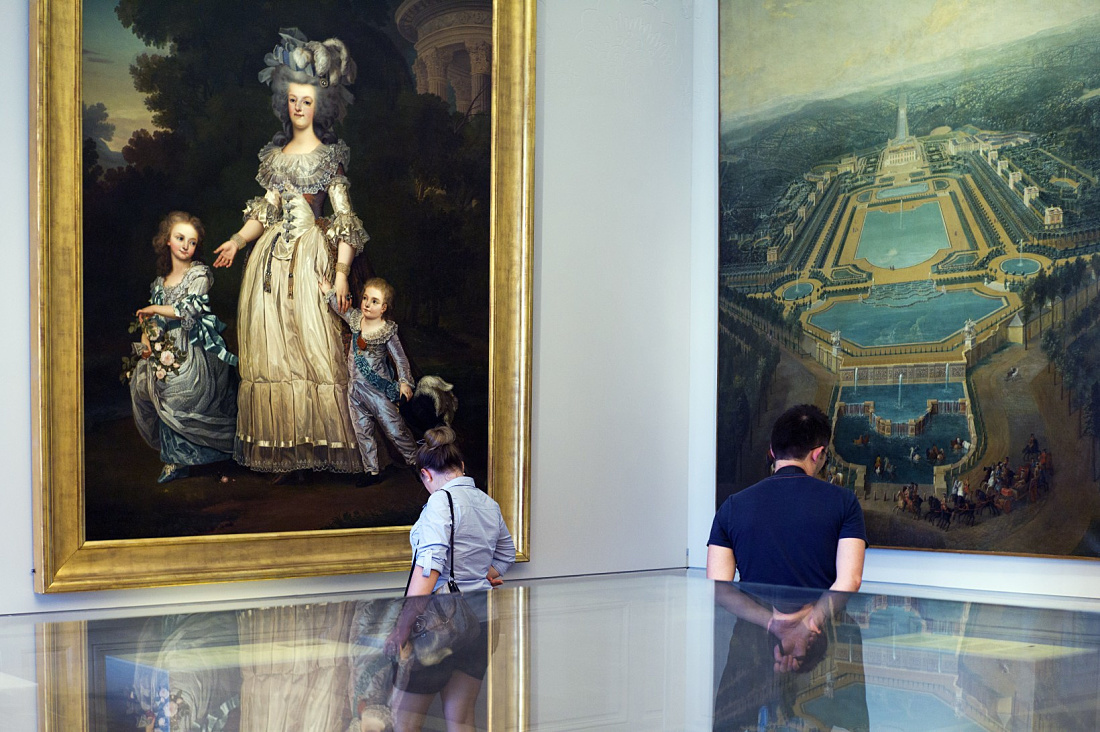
(910, 239)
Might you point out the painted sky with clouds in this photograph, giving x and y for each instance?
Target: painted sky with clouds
(109, 49)
(778, 49)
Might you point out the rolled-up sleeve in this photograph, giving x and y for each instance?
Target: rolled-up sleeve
(345, 226)
(504, 554)
(265, 209)
(431, 537)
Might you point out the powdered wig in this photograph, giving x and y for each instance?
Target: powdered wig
(160, 241)
(382, 286)
(325, 66)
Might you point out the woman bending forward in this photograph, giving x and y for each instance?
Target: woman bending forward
(483, 551)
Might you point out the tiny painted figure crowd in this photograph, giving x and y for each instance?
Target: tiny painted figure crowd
(1001, 489)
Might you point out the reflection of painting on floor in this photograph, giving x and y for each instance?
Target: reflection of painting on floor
(936, 226)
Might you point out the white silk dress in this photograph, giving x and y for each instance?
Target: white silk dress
(293, 399)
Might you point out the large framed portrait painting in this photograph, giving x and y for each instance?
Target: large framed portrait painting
(276, 243)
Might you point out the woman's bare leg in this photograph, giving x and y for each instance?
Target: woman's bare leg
(459, 700)
(409, 710)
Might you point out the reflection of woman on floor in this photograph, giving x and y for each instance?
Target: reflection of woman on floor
(294, 389)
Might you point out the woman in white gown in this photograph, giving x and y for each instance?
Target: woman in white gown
(293, 398)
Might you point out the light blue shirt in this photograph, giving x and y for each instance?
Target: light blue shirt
(481, 538)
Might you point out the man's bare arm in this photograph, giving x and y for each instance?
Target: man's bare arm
(849, 565)
(721, 565)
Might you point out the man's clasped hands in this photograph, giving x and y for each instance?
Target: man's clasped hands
(797, 632)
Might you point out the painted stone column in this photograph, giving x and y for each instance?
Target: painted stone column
(460, 82)
(481, 66)
(453, 41)
(436, 62)
(420, 72)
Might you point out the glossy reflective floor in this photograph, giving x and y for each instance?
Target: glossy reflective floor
(649, 651)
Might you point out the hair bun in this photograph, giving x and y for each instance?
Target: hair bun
(439, 453)
(438, 437)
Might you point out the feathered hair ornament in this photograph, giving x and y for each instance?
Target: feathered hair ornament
(325, 64)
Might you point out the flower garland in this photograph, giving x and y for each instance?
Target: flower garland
(166, 712)
(167, 357)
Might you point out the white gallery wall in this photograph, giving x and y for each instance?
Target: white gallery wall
(625, 268)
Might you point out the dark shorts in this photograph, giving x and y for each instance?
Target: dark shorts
(472, 660)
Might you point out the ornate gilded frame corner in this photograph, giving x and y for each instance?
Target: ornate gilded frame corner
(64, 560)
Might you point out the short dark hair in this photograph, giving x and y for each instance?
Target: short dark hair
(799, 431)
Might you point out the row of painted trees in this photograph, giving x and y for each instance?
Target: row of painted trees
(751, 332)
(1073, 345)
(1039, 294)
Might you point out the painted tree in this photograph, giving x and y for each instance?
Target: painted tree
(1092, 423)
(1051, 343)
(1026, 309)
(1064, 286)
(1039, 291)
(1080, 274)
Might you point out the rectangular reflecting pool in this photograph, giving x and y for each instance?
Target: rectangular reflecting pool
(646, 651)
(901, 402)
(899, 191)
(891, 321)
(891, 239)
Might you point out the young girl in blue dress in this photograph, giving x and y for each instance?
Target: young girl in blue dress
(184, 389)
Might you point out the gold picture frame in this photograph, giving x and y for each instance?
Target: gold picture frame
(64, 560)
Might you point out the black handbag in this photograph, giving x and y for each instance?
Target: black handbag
(447, 623)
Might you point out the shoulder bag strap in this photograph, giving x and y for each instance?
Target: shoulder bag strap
(451, 584)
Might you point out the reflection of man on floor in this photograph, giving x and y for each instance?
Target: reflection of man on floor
(807, 536)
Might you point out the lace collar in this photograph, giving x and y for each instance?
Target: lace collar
(310, 172)
(197, 269)
(383, 334)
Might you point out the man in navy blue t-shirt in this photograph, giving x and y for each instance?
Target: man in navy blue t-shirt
(795, 531)
(791, 528)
